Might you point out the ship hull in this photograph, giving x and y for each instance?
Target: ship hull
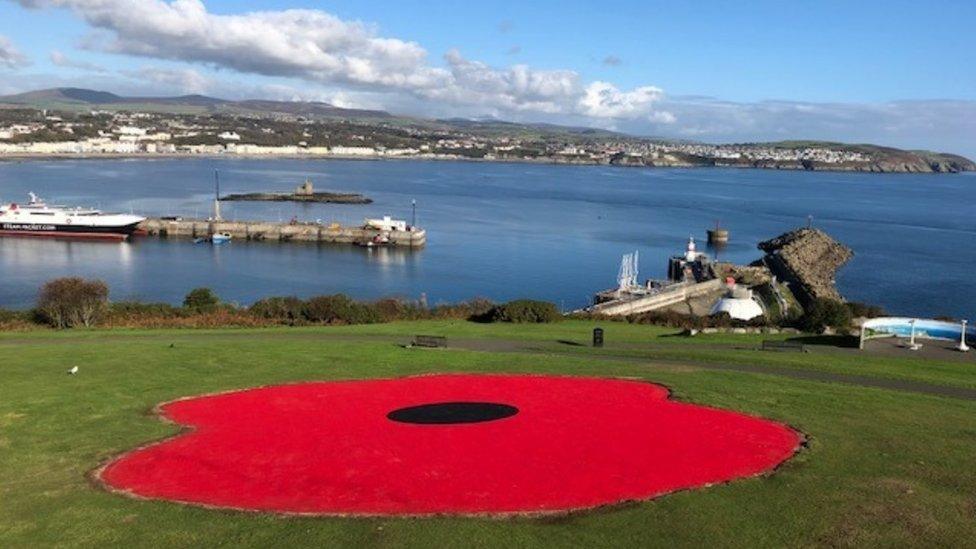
(97, 232)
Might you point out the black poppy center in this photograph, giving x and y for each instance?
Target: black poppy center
(445, 413)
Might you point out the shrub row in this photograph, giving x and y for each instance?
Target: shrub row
(323, 309)
(524, 311)
(75, 302)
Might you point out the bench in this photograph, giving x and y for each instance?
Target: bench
(783, 345)
(429, 341)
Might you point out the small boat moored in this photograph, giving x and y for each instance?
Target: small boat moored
(216, 238)
(379, 240)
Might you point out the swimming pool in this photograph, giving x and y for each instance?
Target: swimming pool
(924, 328)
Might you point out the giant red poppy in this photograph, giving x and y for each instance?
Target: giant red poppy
(488, 444)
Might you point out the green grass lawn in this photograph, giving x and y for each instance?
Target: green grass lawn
(882, 467)
(639, 342)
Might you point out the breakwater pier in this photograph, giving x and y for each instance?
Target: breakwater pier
(367, 235)
(631, 304)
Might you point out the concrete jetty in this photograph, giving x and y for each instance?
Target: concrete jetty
(629, 304)
(409, 237)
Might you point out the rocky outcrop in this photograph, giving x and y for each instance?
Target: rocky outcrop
(676, 159)
(948, 163)
(324, 197)
(808, 260)
(621, 159)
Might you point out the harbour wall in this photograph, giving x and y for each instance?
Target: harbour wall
(665, 298)
(279, 232)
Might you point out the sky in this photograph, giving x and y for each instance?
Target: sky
(888, 72)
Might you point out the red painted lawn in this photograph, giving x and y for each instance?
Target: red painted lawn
(329, 448)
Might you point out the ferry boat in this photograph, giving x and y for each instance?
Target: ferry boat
(38, 219)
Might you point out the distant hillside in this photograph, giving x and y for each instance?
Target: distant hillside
(300, 108)
(67, 96)
(502, 127)
(889, 159)
(72, 99)
(77, 99)
(270, 123)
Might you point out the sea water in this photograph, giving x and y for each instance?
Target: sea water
(496, 230)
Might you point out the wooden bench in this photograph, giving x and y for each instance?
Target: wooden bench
(428, 341)
(783, 345)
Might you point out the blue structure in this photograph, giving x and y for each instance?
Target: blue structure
(917, 328)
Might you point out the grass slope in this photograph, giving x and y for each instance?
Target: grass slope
(882, 467)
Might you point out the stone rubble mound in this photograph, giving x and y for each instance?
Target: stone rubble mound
(808, 260)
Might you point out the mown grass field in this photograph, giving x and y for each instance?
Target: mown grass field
(882, 467)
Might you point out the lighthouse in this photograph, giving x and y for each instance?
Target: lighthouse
(692, 266)
(691, 254)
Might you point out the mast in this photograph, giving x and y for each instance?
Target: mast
(216, 195)
(627, 277)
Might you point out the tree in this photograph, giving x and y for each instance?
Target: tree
(823, 313)
(525, 310)
(68, 302)
(201, 300)
(865, 310)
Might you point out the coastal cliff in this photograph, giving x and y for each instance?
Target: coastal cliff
(881, 160)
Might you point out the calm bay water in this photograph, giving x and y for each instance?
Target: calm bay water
(497, 230)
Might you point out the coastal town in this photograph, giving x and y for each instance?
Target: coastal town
(293, 129)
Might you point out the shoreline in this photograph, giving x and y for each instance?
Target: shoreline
(33, 157)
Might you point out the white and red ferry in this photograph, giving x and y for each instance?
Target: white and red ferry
(38, 219)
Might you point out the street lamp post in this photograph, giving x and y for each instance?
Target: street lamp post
(911, 342)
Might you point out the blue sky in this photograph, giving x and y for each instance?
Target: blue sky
(895, 72)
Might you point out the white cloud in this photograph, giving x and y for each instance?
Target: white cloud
(183, 81)
(63, 60)
(515, 88)
(346, 100)
(310, 44)
(604, 100)
(948, 125)
(317, 46)
(11, 57)
(662, 117)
